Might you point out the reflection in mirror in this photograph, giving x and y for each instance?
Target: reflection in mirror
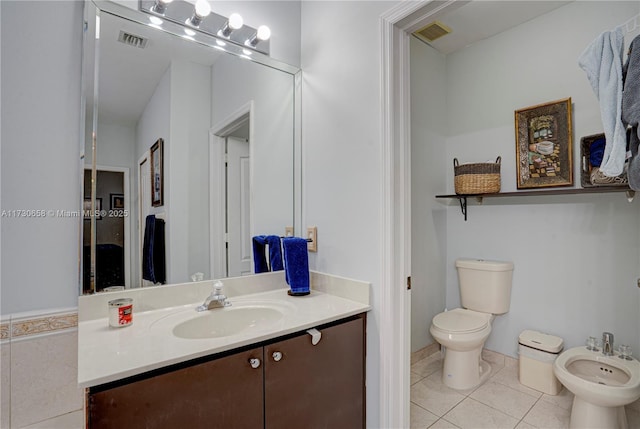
(226, 170)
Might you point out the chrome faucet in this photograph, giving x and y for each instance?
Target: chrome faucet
(215, 300)
(607, 343)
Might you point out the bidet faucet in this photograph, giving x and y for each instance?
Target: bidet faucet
(607, 343)
(215, 300)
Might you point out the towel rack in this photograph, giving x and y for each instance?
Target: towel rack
(309, 240)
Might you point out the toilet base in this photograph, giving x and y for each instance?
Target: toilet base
(464, 369)
(585, 415)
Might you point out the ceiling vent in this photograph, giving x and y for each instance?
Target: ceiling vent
(132, 40)
(433, 31)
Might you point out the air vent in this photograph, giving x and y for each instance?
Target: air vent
(132, 40)
(433, 31)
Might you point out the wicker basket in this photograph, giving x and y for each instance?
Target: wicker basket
(478, 178)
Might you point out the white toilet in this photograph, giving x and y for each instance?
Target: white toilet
(485, 291)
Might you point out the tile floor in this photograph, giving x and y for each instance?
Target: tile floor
(501, 402)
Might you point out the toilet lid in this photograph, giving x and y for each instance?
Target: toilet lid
(461, 321)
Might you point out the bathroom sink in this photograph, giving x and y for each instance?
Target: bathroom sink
(222, 322)
(239, 318)
(598, 372)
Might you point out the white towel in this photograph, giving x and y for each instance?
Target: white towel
(602, 61)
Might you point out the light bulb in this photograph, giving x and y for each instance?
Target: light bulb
(189, 32)
(203, 8)
(235, 21)
(155, 20)
(264, 33)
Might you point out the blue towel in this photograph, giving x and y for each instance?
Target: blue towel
(260, 264)
(296, 264)
(259, 258)
(596, 152)
(153, 251)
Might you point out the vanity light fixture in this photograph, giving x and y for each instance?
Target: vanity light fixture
(261, 35)
(160, 6)
(199, 18)
(201, 11)
(234, 22)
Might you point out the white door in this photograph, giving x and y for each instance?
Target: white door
(144, 209)
(238, 199)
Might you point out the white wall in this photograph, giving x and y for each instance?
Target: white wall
(41, 169)
(428, 178)
(341, 113)
(271, 149)
(154, 123)
(576, 258)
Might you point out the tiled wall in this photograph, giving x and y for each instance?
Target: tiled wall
(38, 372)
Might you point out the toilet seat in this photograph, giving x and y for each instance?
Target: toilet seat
(461, 321)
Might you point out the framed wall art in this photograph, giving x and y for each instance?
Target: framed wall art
(157, 174)
(544, 145)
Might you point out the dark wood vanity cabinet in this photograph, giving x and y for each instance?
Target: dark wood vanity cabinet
(296, 385)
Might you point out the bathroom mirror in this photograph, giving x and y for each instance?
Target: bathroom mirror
(198, 137)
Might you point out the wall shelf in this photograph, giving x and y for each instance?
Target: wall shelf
(462, 198)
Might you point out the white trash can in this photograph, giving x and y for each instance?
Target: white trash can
(537, 353)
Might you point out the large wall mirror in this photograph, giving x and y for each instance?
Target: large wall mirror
(190, 151)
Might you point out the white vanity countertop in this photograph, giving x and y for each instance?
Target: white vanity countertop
(107, 354)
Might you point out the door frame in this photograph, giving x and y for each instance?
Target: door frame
(217, 181)
(396, 26)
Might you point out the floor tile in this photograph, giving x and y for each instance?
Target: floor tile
(549, 416)
(427, 366)
(471, 414)
(509, 377)
(505, 399)
(421, 418)
(415, 378)
(443, 424)
(434, 396)
(524, 425)
(564, 399)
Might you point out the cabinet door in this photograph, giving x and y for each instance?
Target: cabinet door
(222, 393)
(321, 386)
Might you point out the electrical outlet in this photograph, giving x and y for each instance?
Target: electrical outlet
(288, 231)
(312, 234)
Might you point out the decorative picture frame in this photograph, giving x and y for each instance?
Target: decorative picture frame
(117, 201)
(157, 173)
(86, 208)
(544, 145)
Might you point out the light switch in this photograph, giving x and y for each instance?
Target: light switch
(288, 231)
(312, 234)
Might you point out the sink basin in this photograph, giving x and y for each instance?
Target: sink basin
(238, 319)
(598, 372)
(602, 386)
(222, 322)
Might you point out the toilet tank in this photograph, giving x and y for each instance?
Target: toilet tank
(485, 286)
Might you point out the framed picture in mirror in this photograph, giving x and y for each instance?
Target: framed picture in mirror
(117, 201)
(157, 174)
(544, 145)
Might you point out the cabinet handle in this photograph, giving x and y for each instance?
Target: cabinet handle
(277, 356)
(255, 363)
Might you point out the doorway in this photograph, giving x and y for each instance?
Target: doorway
(112, 228)
(230, 198)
